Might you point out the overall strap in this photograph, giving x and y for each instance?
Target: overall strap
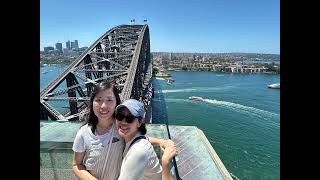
(136, 139)
(110, 144)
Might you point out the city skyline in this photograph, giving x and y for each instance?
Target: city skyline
(64, 44)
(197, 27)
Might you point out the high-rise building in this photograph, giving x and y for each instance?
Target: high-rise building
(48, 48)
(76, 44)
(72, 45)
(68, 45)
(59, 46)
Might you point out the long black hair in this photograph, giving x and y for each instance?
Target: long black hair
(92, 119)
(142, 129)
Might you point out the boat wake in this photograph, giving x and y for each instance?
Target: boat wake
(197, 89)
(159, 78)
(178, 90)
(240, 108)
(234, 106)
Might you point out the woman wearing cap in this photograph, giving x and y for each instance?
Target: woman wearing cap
(140, 160)
(97, 146)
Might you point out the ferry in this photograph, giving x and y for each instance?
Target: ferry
(196, 98)
(274, 86)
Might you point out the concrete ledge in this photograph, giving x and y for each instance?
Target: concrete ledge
(196, 157)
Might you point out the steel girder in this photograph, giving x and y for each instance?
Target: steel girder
(121, 55)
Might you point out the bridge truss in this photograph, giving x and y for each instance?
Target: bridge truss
(121, 55)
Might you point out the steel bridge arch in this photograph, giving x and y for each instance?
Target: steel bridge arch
(121, 55)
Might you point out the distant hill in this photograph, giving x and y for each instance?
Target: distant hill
(230, 56)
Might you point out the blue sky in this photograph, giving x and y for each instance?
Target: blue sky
(203, 26)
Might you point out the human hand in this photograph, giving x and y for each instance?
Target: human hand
(169, 152)
(164, 143)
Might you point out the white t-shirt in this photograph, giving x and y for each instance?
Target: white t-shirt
(140, 162)
(79, 144)
(96, 147)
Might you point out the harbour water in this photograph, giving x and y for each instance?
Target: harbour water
(239, 115)
(49, 73)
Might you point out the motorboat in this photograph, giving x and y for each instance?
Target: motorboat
(196, 98)
(274, 86)
(170, 80)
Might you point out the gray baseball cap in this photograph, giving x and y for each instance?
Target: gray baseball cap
(135, 107)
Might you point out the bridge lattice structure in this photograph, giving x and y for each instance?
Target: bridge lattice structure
(121, 55)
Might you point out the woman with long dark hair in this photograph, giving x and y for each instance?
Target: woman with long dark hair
(97, 146)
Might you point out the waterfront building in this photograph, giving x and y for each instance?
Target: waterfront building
(48, 48)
